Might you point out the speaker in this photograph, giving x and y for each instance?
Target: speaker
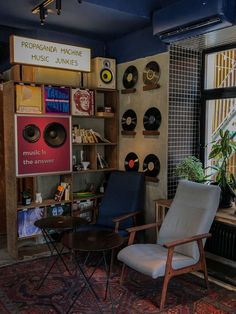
(43, 144)
(103, 73)
(55, 134)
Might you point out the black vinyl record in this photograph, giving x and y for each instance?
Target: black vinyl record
(130, 77)
(151, 165)
(131, 162)
(152, 119)
(151, 74)
(31, 133)
(54, 134)
(129, 120)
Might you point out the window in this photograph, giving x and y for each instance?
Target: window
(219, 98)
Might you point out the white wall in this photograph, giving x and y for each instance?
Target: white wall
(142, 145)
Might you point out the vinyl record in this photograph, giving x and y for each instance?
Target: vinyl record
(31, 133)
(152, 119)
(151, 74)
(129, 120)
(106, 76)
(131, 162)
(151, 165)
(54, 134)
(130, 77)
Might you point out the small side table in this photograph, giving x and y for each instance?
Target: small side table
(161, 208)
(58, 224)
(93, 241)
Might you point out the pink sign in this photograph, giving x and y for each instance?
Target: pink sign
(43, 144)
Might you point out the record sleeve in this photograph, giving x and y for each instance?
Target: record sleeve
(28, 99)
(57, 100)
(26, 220)
(82, 102)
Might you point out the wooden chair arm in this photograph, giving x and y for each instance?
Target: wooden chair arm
(117, 220)
(133, 230)
(186, 240)
(126, 216)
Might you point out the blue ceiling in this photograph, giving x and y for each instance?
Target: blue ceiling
(101, 19)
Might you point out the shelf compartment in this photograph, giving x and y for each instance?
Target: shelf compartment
(45, 203)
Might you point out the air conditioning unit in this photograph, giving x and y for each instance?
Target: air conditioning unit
(187, 18)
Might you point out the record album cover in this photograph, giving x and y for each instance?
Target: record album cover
(26, 220)
(28, 99)
(57, 99)
(82, 102)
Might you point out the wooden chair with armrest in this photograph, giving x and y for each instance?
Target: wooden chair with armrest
(122, 202)
(180, 244)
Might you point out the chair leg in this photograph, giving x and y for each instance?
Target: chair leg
(164, 290)
(203, 263)
(122, 273)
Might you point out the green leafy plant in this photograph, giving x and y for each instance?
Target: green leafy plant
(190, 168)
(221, 152)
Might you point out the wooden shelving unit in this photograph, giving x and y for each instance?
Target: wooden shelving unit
(107, 126)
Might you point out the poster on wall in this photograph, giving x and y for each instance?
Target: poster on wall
(82, 102)
(43, 144)
(57, 100)
(28, 99)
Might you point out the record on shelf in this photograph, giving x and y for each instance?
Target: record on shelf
(151, 73)
(129, 120)
(151, 165)
(130, 77)
(152, 119)
(131, 162)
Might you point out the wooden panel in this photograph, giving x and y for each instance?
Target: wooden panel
(10, 168)
(2, 167)
(52, 76)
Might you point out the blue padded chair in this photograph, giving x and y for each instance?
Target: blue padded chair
(123, 200)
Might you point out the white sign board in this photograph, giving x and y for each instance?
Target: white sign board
(49, 54)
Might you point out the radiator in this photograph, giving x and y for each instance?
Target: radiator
(223, 240)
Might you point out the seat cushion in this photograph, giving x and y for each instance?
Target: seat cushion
(150, 259)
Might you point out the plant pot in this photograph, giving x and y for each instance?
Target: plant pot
(226, 198)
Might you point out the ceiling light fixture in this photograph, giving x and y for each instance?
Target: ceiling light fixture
(42, 10)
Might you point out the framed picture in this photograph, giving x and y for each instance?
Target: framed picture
(57, 100)
(28, 99)
(82, 102)
(26, 220)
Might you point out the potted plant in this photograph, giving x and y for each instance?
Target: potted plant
(221, 152)
(190, 168)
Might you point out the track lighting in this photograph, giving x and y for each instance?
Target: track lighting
(42, 10)
(41, 15)
(58, 7)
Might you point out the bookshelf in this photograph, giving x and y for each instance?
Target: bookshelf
(46, 182)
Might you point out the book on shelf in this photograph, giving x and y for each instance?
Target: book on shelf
(101, 161)
(62, 192)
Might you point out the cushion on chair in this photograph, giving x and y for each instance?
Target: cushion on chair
(191, 213)
(150, 259)
(124, 194)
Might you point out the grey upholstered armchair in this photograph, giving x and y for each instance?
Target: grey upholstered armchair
(182, 235)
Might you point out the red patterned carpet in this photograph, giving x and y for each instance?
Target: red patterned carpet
(139, 294)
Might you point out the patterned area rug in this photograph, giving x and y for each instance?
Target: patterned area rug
(139, 294)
